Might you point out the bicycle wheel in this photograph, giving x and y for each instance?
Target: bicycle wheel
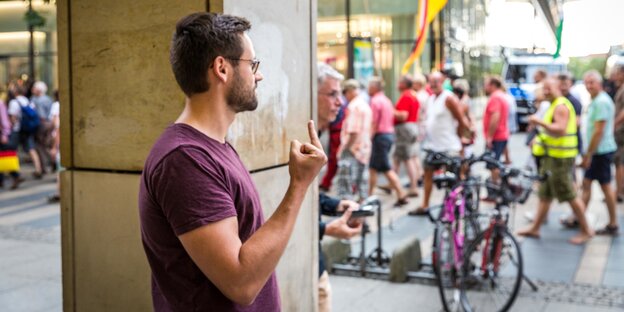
(492, 272)
(445, 268)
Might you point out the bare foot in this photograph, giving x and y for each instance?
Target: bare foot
(581, 238)
(529, 232)
(413, 193)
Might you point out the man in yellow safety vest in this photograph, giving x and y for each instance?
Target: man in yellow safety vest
(557, 144)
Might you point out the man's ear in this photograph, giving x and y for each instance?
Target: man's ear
(220, 68)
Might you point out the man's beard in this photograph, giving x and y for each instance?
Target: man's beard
(240, 98)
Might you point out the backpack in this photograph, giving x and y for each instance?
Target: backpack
(30, 119)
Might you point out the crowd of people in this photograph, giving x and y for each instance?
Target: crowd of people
(202, 224)
(29, 122)
(370, 136)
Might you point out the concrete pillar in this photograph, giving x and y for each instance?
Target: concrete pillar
(118, 94)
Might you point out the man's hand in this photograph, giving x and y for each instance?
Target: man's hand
(345, 205)
(4, 140)
(534, 120)
(340, 228)
(586, 162)
(489, 143)
(307, 159)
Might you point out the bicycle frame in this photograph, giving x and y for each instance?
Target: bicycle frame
(453, 211)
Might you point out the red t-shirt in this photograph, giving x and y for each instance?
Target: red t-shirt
(497, 103)
(191, 180)
(408, 103)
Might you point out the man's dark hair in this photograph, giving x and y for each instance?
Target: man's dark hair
(407, 81)
(495, 81)
(565, 76)
(198, 39)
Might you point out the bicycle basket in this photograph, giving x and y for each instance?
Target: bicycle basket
(520, 187)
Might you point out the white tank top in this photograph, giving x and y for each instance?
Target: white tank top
(441, 126)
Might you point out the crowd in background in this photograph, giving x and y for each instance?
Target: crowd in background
(29, 124)
(373, 136)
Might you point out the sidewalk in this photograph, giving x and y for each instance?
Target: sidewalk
(30, 250)
(570, 278)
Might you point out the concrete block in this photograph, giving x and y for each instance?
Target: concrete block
(334, 251)
(123, 93)
(107, 261)
(406, 257)
(282, 36)
(297, 271)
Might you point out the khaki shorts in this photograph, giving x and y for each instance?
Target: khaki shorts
(559, 185)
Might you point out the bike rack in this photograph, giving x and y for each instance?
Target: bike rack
(375, 263)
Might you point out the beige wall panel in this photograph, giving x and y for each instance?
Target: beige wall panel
(111, 272)
(281, 35)
(67, 240)
(297, 272)
(124, 93)
(62, 25)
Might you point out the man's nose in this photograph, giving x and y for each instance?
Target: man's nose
(258, 76)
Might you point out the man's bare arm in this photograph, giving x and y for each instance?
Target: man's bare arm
(453, 105)
(400, 116)
(560, 122)
(596, 137)
(491, 130)
(240, 270)
(619, 120)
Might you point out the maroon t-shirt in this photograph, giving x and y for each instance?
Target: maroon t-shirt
(191, 180)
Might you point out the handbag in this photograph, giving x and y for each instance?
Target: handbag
(9, 161)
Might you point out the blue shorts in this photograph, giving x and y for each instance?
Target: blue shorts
(380, 156)
(25, 140)
(497, 147)
(600, 168)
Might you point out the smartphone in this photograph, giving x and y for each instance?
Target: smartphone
(365, 211)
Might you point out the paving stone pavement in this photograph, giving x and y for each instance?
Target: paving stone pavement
(30, 251)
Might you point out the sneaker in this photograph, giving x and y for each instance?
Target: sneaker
(54, 199)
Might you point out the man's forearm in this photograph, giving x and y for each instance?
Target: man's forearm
(350, 141)
(593, 143)
(260, 254)
(619, 120)
(491, 131)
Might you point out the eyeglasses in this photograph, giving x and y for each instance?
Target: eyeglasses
(255, 63)
(333, 94)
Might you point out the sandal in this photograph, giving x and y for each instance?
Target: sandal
(608, 230)
(418, 212)
(412, 194)
(385, 188)
(401, 202)
(569, 223)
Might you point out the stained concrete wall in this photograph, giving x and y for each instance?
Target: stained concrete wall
(118, 94)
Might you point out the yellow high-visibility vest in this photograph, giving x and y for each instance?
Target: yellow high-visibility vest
(565, 146)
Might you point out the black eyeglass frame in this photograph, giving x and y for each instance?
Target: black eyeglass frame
(255, 63)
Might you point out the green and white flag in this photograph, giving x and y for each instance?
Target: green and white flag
(558, 35)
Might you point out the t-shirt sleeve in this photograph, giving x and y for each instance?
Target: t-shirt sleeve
(191, 190)
(601, 111)
(14, 108)
(403, 104)
(54, 110)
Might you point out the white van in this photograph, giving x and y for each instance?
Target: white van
(518, 72)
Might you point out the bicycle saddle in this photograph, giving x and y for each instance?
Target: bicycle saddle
(444, 180)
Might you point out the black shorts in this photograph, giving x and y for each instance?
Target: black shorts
(600, 168)
(380, 156)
